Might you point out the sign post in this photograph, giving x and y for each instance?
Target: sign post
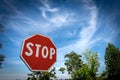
(38, 53)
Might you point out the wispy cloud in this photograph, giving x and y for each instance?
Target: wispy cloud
(46, 8)
(25, 25)
(54, 17)
(73, 27)
(85, 36)
(11, 8)
(87, 32)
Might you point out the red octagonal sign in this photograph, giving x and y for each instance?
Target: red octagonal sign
(38, 52)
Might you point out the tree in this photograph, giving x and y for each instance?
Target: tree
(62, 70)
(112, 61)
(1, 55)
(1, 59)
(93, 63)
(73, 62)
(48, 75)
(89, 68)
(102, 76)
(82, 73)
(32, 76)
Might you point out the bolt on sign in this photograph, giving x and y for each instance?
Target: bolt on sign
(38, 53)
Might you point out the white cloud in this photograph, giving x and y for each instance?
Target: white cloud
(70, 33)
(52, 23)
(46, 8)
(25, 26)
(56, 19)
(85, 36)
(38, 25)
(86, 33)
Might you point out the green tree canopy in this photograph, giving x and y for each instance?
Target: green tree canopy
(82, 73)
(89, 69)
(1, 55)
(73, 62)
(112, 61)
(93, 62)
(1, 59)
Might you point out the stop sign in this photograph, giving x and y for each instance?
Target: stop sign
(38, 53)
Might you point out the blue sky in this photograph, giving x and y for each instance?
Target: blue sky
(73, 25)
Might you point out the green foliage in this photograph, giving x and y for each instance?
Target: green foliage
(102, 76)
(73, 62)
(42, 75)
(112, 61)
(93, 62)
(82, 73)
(1, 56)
(47, 75)
(32, 76)
(89, 68)
(62, 70)
(1, 59)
